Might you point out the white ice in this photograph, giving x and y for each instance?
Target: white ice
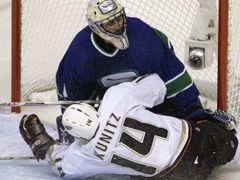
(11, 143)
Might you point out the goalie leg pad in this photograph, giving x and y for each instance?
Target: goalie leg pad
(35, 135)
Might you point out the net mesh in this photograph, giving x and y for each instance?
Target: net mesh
(234, 59)
(48, 27)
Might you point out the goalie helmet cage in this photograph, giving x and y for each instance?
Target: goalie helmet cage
(42, 31)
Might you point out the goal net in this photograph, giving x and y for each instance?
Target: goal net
(44, 30)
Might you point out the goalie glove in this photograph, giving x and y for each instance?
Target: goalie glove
(35, 135)
(226, 119)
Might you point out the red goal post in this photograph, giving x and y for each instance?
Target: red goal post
(222, 54)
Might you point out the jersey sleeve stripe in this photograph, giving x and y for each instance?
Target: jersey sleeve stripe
(181, 155)
(164, 38)
(161, 35)
(178, 84)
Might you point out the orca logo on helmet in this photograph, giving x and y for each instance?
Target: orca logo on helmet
(107, 6)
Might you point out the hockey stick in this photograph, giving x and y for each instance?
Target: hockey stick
(17, 158)
(39, 103)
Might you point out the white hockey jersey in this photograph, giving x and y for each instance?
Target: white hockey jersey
(131, 140)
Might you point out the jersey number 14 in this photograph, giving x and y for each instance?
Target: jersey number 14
(139, 148)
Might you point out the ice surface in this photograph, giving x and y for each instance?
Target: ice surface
(13, 145)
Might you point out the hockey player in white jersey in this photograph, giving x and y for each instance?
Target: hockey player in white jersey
(123, 137)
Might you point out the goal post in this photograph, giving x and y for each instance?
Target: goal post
(16, 53)
(43, 30)
(229, 57)
(222, 54)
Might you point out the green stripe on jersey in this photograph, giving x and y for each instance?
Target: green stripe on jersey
(162, 36)
(178, 84)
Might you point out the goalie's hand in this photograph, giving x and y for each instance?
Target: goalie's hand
(35, 135)
(225, 118)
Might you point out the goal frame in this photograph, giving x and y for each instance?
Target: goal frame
(222, 54)
(16, 54)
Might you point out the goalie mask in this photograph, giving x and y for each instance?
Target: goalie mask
(81, 121)
(107, 19)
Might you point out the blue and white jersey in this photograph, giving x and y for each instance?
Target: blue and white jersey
(87, 70)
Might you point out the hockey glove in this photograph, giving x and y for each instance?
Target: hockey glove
(229, 121)
(35, 135)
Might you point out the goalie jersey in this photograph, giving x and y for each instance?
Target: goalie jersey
(87, 70)
(130, 140)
